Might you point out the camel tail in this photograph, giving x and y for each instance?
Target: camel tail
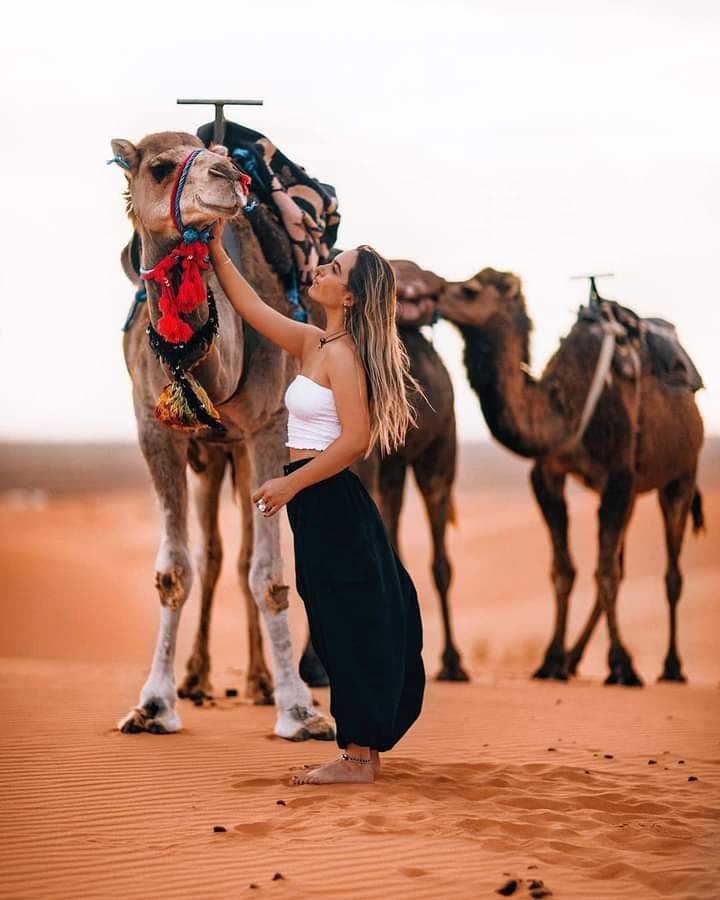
(696, 509)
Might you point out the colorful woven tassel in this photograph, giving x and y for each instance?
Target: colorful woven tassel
(175, 406)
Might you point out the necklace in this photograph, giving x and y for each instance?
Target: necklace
(326, 340)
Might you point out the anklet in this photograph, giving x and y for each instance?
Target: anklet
(357, 759)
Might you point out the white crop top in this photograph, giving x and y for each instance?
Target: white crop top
(312, 418)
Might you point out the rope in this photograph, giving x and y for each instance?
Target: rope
(612, 330)
(119, 161)
(139, 298)
(189, 235)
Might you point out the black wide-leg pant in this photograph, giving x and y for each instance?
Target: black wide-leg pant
(362, 610)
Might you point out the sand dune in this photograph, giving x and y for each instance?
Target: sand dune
(581, 787)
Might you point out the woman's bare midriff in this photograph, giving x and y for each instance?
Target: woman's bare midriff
(296, 453)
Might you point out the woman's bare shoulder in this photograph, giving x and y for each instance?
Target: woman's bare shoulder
(343, 361)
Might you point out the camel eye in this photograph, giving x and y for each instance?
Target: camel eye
(161, 170)
(468, 292)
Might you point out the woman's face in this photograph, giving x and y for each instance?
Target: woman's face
(329, 287)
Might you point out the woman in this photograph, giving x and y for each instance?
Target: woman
(350, 395)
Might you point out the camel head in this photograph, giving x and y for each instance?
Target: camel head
(212, 188)
(486, 295)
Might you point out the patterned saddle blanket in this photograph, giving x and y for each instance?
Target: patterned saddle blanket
(288, 201)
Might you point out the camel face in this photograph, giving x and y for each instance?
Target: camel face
(475, 301)
(212, 188)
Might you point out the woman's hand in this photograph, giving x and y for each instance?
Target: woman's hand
(216, 232)
(276, 493)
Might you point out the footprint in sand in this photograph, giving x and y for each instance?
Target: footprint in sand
(412, 872)
(255, 829)
(374, 819)
(310, 800)
(256, 782)
(416, 816)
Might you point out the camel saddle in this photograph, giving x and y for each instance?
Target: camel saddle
(654, 340)
(418, 291)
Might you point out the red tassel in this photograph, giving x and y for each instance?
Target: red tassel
(173, 329)
(192, 259)
(191, 292)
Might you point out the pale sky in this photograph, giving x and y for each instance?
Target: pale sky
(547, 138)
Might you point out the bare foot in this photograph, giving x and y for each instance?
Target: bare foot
(336, 771)
(374, 755)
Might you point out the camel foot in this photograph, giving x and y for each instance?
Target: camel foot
(677, 677)
(452, 669)
(621, 670)
(573, 661)
(259, 689)
(453, 672)
(301, 724)
(196, 686)
(554, 668)
(312, 670)
(672, 671)
(155, 717)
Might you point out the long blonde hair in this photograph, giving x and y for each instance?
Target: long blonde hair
(370, 321)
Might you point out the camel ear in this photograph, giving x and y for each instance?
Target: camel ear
(512, 285)
(220, 149)
(125, 154)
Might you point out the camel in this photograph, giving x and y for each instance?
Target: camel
(645, 434)
(244, 377)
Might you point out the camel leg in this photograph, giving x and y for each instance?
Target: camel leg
(391, 487)
(166, 456)
(296, 717)
(549, 489)
(578, 650)
(615, 508)
(675, 499)
(312, 671)
(259, 681)
(208, 469)
(435, 474)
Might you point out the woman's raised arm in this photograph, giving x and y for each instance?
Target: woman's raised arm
(287, 333)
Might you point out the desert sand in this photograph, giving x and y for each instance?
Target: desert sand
(597, 792)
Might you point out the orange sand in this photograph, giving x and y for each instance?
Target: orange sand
(501, 778)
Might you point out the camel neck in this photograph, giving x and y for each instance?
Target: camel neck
(516, 407)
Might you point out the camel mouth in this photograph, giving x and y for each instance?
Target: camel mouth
(220, 207)
(457, 310)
